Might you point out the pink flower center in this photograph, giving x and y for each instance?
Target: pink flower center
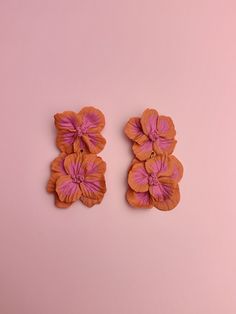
(153, 180)
(153, 135)
(78, 179)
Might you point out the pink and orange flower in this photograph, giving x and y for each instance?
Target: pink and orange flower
(152, 134)
(75, 177)
(80, 131)
(154, 182)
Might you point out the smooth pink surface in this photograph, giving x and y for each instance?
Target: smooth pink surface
(175, 56)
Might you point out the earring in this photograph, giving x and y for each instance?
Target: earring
(154, 173)
(78, 173)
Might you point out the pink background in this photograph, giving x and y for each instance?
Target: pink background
(123, 56)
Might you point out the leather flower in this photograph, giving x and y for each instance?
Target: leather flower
(80, 131)
(155, 182)
(152, 134)
(75, 177)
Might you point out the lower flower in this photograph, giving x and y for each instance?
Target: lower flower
(154, 182)
(75, 177)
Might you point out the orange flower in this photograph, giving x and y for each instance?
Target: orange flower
(80, 131)
(75, 177)
(151, 133)
(155, 182)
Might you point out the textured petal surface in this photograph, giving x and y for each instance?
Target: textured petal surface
(163, 145)
(94, 141)
(89, 202)
(66, 121)
(57, 164)
(139, 199)
(73, 164)
(177, 169)
(60, 204)
(133, 130)
(67, 190)
(93, 187)
(65, 140)
(138, 178)
(91, 118)
(165, 127)
(168, 203)
(51, 185)
(149, 121)
(144, 151)
(160, 165)
(93, 165)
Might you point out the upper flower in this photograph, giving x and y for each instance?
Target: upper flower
(77, 176)
(155, 182)
(80, 131)
(152, 134)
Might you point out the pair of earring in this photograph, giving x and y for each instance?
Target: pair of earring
(78, 173)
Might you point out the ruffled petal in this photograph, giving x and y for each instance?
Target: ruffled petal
(91, 118)
(139, 199)
(94, 141)
(160, 165)
(89, 202)
(166, 195)
(67, 190)
(93, 186)
(93, 165)
(138, 178)
(65, 140)
(66, 121)
(60, 204)
(51, 185)
(163, 145)
(73, 164)
(57, 164)
(165, 127)
(133, 130)
(149, 121)
(177, 169)
(144, 151)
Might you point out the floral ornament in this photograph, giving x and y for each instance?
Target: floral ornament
(75, 177)
(154, 182)
(152, 134)
(80, 131)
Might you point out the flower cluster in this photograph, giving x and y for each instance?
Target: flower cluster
(78, 173)
(154, 173)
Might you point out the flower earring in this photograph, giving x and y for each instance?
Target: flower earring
(154, 173)
(78, 173)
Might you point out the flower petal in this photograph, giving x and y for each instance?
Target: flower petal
(160, 165)
(51, 185)
(149, 121)
(93, 187)
(133, 130)
(138, 178)
(177, 169)
(163, 145)
(94, 141)
(60, 204)
(89, 202)
(66, 121)
(165, 127)
(93, 165)
(67, 190)
(73, 164)
(166, 195)
(144, 151)
(57, 164)
(91, 118)
(65, 140)
(139, 199)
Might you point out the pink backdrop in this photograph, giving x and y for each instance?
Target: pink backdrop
(122, 56)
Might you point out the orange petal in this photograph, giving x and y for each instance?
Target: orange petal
(67, 190)
(67, 120)
(60, 204)
(57, 164)
(93, 187)
(93, 164)
(162, 145)
(165, 127)
(149, 121)
(177, 168)
(91, 118)
(133, 130)
(139, 199)
(94, 141)
(160, 165)
(51, 185)
(138, 178)
(144, 151)
(72, 164)
(65, 140)
(90, 202)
